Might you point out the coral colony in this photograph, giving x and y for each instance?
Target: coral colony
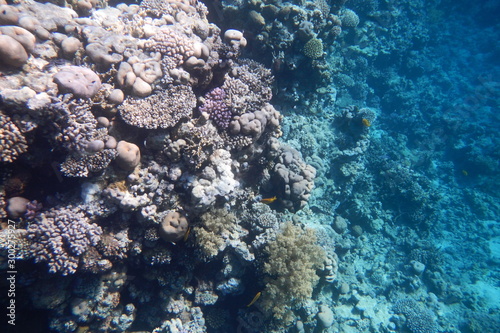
(242, 166)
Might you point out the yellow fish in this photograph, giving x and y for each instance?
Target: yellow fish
(255, 298)
(465, 173)
(186, 235)
(268, 201)
(366, 122)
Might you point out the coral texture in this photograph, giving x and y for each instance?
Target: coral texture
(215, 105)
(294, 258)
(60, 237)
(418, 319)
(160, 110)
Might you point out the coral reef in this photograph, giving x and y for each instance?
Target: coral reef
(330, 166)
(148, 129)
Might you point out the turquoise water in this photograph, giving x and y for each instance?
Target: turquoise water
(357, 191)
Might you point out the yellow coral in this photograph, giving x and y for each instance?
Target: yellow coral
(218, 227)
(293, 260)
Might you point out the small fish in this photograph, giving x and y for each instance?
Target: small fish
(268, 201)
(186, 235)
(255, 298)
(366, 122)
(465, 173)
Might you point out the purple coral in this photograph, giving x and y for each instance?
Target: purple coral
(217, 108)
(60, 236)
(32, 208)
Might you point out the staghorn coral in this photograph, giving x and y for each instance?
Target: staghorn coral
(160, 110)
(12, 141)
(293, 259)
(74, 124)
(247, 87)
(60, 237)
(172, 7)
(260, 217)
(16, 242)
(195, 143)
(186, 165)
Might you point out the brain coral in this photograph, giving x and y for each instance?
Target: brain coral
(161, 110)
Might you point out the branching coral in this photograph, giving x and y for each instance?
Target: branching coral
(294, 258)
(217, 108)
(60, 237)
(12, 141)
